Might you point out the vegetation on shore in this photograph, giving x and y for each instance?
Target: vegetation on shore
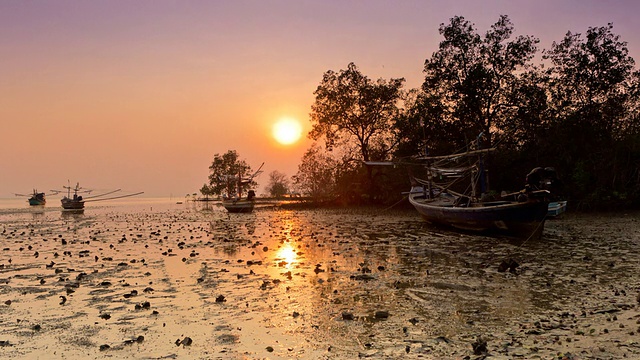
(574, 107)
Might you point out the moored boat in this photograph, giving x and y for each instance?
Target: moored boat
(474, 208)
(235, 202)
(239, 205)
(37, 198)
(522, 216)
(72, 203)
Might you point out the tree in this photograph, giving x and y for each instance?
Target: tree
(206, 191)
(592, 77)
(472, 79)
(355, 113)
(278, 184)
(316, 173)
(225, 172)
(351, 108)
(594, 96)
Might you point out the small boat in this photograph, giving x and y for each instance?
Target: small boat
(77, 201)
(239, 205)
(37, 198)
(235, 203)
(556, 208)
(73, 203)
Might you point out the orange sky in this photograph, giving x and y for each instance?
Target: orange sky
(141, 95)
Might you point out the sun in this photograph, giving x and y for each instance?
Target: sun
(287, 131)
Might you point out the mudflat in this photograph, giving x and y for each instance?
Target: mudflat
(196, 283)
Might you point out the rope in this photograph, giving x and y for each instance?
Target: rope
(528, 238)
(398, 202)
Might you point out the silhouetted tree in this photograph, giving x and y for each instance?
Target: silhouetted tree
(593, 92)
(316, 174)
(278, 185)
(225, 171)
(206, 191)
(471, 80)
(352, 111)
(351, 108)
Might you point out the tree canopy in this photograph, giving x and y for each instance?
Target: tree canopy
(575, 108)
(351, 109)
(278, 185)
(225, 172)
(316, 176)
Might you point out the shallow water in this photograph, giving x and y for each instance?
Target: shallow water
(139, 277)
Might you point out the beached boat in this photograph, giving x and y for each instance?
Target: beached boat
(239, 205)
(235, 202)
(522, 213)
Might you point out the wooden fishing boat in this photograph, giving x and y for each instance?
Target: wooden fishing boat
(236, 203)
(35, 199)
(524, 215)
(521, 213)
(77, 201)
(239, 205)
(72, 203)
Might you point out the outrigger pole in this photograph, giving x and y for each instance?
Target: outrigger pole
(108, 193)
(116, 197)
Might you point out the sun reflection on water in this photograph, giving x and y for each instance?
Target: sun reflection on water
(287, 254)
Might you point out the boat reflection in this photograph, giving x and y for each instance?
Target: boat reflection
(72, 214)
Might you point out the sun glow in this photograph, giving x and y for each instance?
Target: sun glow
(287, 254)
(287, 131)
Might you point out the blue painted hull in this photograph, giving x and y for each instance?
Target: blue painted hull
(37, 199)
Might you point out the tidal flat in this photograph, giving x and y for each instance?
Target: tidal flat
(197, 283)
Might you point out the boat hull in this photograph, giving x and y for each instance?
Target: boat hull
(515, 218)
(37, 199)
(238, 206)
(35, 202)
(70, 204)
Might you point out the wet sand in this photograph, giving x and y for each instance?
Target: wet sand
(183, 283)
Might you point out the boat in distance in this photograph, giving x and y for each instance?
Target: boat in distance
(72, 203)
(245, 205)
(235, 202)
(37, 198)
(76, 202)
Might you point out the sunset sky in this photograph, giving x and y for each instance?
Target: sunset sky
(140, 95)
